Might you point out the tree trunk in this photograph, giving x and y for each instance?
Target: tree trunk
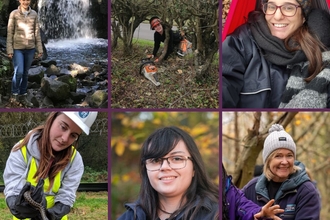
(253, 145)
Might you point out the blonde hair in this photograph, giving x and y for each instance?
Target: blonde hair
(268, 173)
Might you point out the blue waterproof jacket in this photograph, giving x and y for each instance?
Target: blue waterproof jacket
(297, 195)
(209, 211)
(248, 79)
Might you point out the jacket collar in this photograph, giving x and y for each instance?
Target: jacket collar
(294, 181)
(206, 204)
(19, 9)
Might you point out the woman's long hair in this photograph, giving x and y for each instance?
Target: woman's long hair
(160, 143)
(51, 162)
(304, 40)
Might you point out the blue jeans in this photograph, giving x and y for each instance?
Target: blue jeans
(22, 60)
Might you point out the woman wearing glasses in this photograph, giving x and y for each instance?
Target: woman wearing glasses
(275, 59)
(174, 181)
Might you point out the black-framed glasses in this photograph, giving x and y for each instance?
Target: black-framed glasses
(175, 162)
(287, 9)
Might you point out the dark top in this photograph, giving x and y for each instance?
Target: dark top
(175, 39)
(208, 211)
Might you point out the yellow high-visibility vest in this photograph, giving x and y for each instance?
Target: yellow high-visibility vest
(56, 185)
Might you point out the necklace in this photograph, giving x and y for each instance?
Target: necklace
(165, 211)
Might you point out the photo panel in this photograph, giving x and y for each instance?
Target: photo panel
(59, 157)
(163, 60)
(265, 152)
(55, 55)
(162, 154)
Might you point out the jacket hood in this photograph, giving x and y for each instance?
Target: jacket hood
(32, 146)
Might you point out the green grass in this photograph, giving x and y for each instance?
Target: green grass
(144, 43)
(88, 205)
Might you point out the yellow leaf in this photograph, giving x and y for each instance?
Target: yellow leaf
(140, 125)
(198, 130)
(113, 141)
(157, 121)
(134, 147)
(125, 178)
(126, 121)
(120, 148)
(115, 179)
(180, 71)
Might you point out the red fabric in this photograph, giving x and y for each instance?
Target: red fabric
(237, 15)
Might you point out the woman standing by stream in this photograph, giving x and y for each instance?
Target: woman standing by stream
(23, 41)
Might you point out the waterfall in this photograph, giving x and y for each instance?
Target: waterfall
(66, 19)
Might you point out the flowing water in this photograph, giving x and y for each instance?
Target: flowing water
(66, 19)
(84, 51)
(68, 27)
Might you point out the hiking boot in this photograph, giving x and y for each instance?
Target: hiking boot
(24, 101)
(14, 98)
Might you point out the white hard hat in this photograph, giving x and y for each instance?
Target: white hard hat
(83, 119)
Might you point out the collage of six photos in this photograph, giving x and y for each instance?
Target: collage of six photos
(112, 110)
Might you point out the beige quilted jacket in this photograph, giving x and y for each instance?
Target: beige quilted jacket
(23, 31)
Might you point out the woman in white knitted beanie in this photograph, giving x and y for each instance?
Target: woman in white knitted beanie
(284, 179)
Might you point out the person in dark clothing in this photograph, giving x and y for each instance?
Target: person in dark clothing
(174, 181)
(284, 179)
(283, 39)
(236, 206)
(160, 36)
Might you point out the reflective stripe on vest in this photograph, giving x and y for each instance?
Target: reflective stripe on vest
(57, 180)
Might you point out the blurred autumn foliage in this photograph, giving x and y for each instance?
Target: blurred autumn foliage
(129, 130)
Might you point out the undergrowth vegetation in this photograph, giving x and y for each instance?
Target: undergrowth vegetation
(179, 86)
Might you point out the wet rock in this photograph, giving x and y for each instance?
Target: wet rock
(79, 68)
(98, 99)
(47, 102)
(65, 72)
(52, 70)
(68, 79)
(54, 89)
(96, 68)
(77, 97)
(48, 63)
(36, 74)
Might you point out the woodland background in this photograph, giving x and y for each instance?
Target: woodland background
(186, 82)
(243, 135)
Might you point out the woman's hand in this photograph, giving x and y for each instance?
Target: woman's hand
(10, 56)
(269, 211)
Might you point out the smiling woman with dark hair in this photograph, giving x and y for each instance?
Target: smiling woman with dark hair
(278, 58)
(174, 181)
